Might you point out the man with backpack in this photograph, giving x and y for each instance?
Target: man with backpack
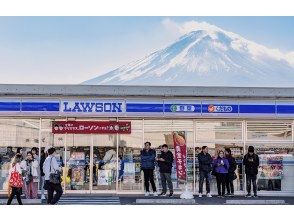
(251, 163)
(52, 177)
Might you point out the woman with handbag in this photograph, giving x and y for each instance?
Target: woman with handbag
(15, 180)
(52, 177)
(231, 172)
(31, 174)
(221, 167)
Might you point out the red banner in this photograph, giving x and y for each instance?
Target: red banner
(91, 127)
(179, 139)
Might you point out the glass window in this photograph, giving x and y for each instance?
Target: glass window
(276, 170)
(269, 130)
(130, 146)
(16, 136)
(218, 130)
(213, 149)
(159, 132)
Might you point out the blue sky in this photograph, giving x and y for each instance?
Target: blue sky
(73, 49)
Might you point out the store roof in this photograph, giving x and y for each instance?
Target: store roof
(8, 90)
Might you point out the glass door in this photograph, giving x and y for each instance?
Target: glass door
(78, 160)
(104, 162)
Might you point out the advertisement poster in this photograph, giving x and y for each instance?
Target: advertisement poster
(104, 177)
(78, 155)
(129, 173)
(91, 127)
(179, 139)
(77, 176)
(271, 167)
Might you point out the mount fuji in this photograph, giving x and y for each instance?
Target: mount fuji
(207, 56)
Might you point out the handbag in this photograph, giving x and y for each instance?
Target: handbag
(15, 179)
(55, 177)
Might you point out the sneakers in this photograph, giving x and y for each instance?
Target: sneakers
(200, 195)
(170, 195)
(255, 196)
(209, 195)
(228, 194)
(162, 194)
(43, 197)
(248, 195)
(155, 194)
(147, 193)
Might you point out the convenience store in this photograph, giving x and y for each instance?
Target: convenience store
(107, 160)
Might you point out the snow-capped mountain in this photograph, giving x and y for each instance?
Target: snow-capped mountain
(208, 56)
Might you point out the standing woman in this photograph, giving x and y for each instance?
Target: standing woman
(231, 172)
(221, 167)
(31, 166)
(15, 179)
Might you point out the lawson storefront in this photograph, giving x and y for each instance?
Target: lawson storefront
(99, 131)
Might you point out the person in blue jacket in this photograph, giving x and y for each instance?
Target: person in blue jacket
(147, 166)
(221, 168)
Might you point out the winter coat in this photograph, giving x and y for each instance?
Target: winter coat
(148, 159)
(232, 167)
(166, 165)
(251, 163)
(205, 162)
(221, 168)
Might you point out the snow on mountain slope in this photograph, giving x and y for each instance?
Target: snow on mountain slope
(207, 56)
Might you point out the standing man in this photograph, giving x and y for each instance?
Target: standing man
(205, 167)
(49, 167)
(165, 163)
(147, 166)
(251, 163)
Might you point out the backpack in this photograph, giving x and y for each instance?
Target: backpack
(15, 179)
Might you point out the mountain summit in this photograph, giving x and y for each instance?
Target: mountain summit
(208, 56)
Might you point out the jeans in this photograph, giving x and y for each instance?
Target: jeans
(251, 178)
(166, 177)
(204, 175)
(229, 184)
(15, 192)
(221, 183)
(50, 191)
(149, 177)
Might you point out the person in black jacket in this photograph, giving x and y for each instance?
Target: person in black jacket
(148, 156)
(231, 172)
(205, 167)
(42, 160)
(251, 163)
(165, 163)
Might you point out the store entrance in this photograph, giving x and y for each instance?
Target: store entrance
(91, 163)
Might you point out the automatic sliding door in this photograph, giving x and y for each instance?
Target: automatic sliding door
(104, 162)
(77, 171)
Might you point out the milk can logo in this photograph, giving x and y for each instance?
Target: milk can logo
(219, 108)
(182, 108)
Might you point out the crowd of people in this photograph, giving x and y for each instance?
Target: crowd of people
(26, 173)
(223, 167)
